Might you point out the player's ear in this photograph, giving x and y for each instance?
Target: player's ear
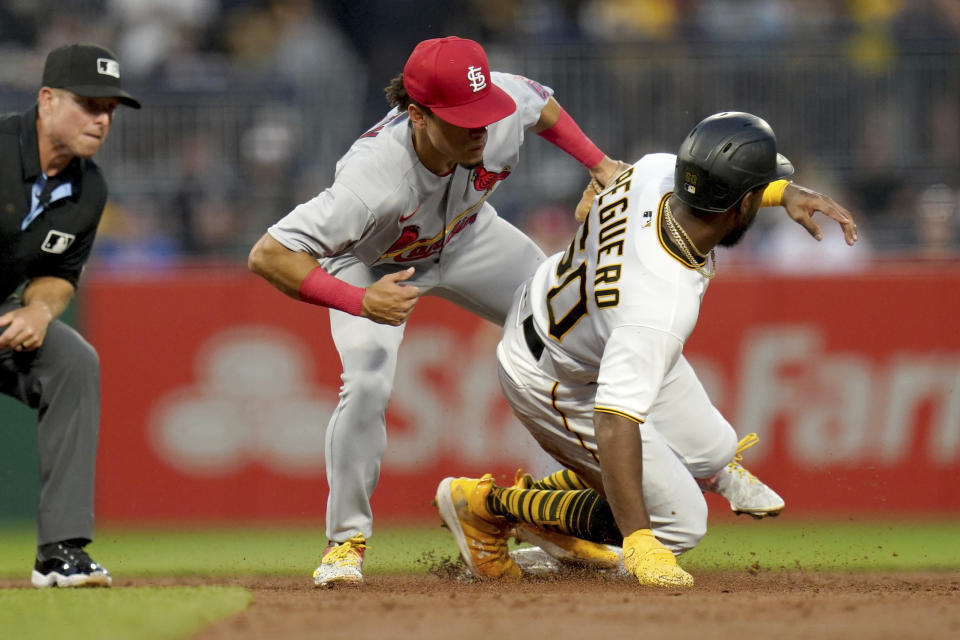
(417, 116)
(751, 200)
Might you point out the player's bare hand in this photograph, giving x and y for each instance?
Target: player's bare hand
(24, 329)
(801, 203)
(388, 300)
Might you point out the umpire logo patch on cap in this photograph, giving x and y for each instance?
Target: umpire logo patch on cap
(57, 241)
(108, 67)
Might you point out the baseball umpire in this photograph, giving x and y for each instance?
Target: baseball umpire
(591, 359)
(51, 199)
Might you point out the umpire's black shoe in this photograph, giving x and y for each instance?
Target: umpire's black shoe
(66, 564)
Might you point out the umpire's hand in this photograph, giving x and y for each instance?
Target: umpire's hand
(387, 301)
(24, 329)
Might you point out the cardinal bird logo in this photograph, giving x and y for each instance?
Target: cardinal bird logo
(484, 180)
(408, 236)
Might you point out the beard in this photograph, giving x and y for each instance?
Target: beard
(736, 234)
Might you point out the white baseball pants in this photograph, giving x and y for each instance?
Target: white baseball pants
(684, 437)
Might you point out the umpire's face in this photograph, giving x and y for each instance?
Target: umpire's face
(75, 124)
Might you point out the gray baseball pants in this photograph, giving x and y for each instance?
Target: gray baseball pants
(478, 272)
(61, 380)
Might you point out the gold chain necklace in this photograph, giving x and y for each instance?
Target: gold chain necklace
(676, 230)
(683, 232)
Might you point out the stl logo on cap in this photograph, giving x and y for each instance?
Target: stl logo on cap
(478, 82)
(108, 67)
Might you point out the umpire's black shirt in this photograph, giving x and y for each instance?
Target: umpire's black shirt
(58, 242)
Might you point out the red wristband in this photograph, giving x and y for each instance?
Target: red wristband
(321, 288)
(569, 137)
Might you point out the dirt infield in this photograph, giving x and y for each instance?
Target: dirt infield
(786, 605)
(779, 605)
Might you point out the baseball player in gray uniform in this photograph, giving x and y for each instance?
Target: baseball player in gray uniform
(407, 215)
(591, 358)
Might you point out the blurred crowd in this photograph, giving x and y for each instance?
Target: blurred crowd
(249, 103)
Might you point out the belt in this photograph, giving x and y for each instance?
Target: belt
(534, 343)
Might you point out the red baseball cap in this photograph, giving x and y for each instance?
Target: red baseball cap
(451, 77)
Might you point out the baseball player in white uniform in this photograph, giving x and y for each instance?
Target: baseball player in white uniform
(407, 215)
(591, 356)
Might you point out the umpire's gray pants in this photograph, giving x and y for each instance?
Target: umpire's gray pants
(61, 380)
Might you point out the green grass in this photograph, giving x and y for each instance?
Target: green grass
(295, 551)
(175, 612)
(145, 613)
(829, 546)
(230, 551)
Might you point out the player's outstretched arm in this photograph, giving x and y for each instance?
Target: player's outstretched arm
(556, 126)
(801, 203)
(621, 465)
(388, 300)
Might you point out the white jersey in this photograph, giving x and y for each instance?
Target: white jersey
(616, 308)
(386, 207)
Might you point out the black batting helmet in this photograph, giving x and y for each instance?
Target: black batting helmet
(724, 157)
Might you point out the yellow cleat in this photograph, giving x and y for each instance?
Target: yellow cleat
(481, 537)
(743, 490)
(342, 563)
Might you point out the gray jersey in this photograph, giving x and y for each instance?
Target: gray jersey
(385, 206)
(387, 211)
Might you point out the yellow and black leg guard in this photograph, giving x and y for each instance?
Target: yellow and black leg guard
(563, 479)
(582, 513)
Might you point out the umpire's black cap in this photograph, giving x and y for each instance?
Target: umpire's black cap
(87, 70)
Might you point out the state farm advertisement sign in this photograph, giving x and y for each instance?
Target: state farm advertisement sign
(217, 391)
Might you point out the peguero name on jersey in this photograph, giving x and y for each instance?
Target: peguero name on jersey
(567, 302)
